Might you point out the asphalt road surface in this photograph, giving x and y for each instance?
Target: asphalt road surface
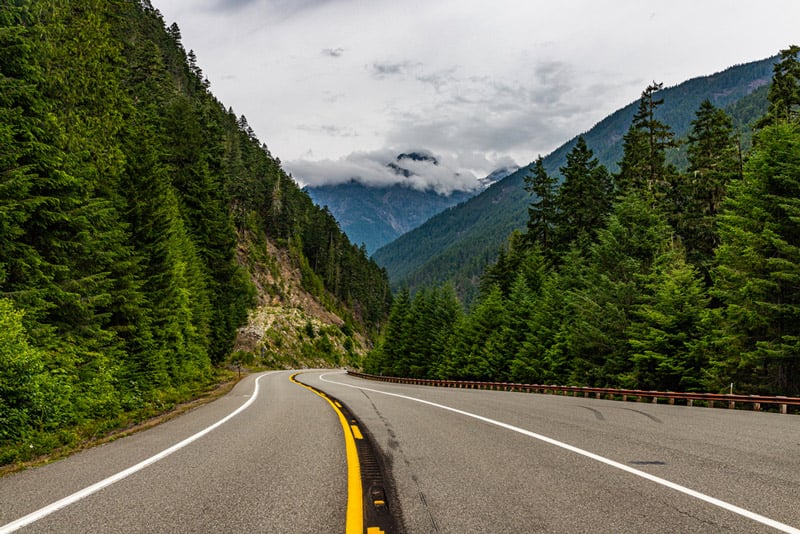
(462, 461)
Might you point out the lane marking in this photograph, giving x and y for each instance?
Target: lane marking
(354, 523)
(94, 488)
(356, 432)
(677, 487)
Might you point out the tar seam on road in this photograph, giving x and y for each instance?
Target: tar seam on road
(672, 485)
(94, 488)
(367, 501)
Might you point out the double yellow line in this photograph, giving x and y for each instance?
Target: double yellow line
(355, 492)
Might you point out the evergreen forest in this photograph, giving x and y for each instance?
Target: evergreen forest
(133, 206)
(458, 244)
(644, 278)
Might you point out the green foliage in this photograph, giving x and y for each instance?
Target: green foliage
(690, 282)
(416, 338)
(457, 245)
(584, 198)
(124, 188)
(543, 210)
(714, 162)
(784, 92)
(758, 277)
(666, 322)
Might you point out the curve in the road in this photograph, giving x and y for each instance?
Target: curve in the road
(94, 488)
(371, 506)
(677, 487)
(355, 507)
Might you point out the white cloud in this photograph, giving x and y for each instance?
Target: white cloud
(350, 81)
(442, 173)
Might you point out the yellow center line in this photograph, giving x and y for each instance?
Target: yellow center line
(355, 505)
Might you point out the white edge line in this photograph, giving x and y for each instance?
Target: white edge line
(85, 492)
(677, 487)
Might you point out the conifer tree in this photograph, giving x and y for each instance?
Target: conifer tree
(542, 211)
(758, 277)
(584, 198)
(479, 350)
(643, 167)
(714, 162)
(601, 307)
(665, 324)
(784, 92)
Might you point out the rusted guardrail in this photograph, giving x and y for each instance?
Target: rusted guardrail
(711, 399)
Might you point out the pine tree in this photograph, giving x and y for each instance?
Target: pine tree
(784, 92)
(714, 162)
(601, 307)
(479, 350)
(665, 324)
(390, 348)
(758, 277)
(643, 167)
(542, 211)
(584, 198)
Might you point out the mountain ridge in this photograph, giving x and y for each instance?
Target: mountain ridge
(376, 216)
(455, 245)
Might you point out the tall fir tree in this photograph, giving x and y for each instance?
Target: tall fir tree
(644, 167)
(714, 162)
(758, 276)
(542, 211)
(584, 198)
(784, 92)
(665, 323)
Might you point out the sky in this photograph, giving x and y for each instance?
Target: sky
(338, 88)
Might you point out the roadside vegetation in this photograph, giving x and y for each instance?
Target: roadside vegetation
(127, 191)
(650, 278)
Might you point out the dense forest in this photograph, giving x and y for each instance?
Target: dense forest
(458, 244)
(128, 195)
(644, 278)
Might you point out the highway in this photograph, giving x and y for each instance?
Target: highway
(456, 461)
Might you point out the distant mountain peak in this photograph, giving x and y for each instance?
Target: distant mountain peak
(418, 156)
(455, 245)
(377, 214)
(497, 175)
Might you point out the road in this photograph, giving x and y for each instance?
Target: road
(277, 466)
(454, 472)
(458, 461)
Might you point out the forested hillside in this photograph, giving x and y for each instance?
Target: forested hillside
(135, 211)
(375, 216)
(650, 277)
(457, 245)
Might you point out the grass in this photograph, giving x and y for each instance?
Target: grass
(65, 442)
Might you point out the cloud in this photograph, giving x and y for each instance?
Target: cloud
(328, 130)
(282, 9)
(232, 5)
(522, 116)
(383, 69)
(416, 168)
(333, 52)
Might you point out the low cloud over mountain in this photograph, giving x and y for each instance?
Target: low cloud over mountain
(415, 168)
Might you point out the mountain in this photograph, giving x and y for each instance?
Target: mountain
(376, 216)
(457, 244)
(148, 238)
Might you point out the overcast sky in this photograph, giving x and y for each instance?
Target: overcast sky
(338, 88)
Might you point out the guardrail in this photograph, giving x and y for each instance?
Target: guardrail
(711, 399)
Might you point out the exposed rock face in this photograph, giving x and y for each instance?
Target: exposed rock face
(289, 327)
